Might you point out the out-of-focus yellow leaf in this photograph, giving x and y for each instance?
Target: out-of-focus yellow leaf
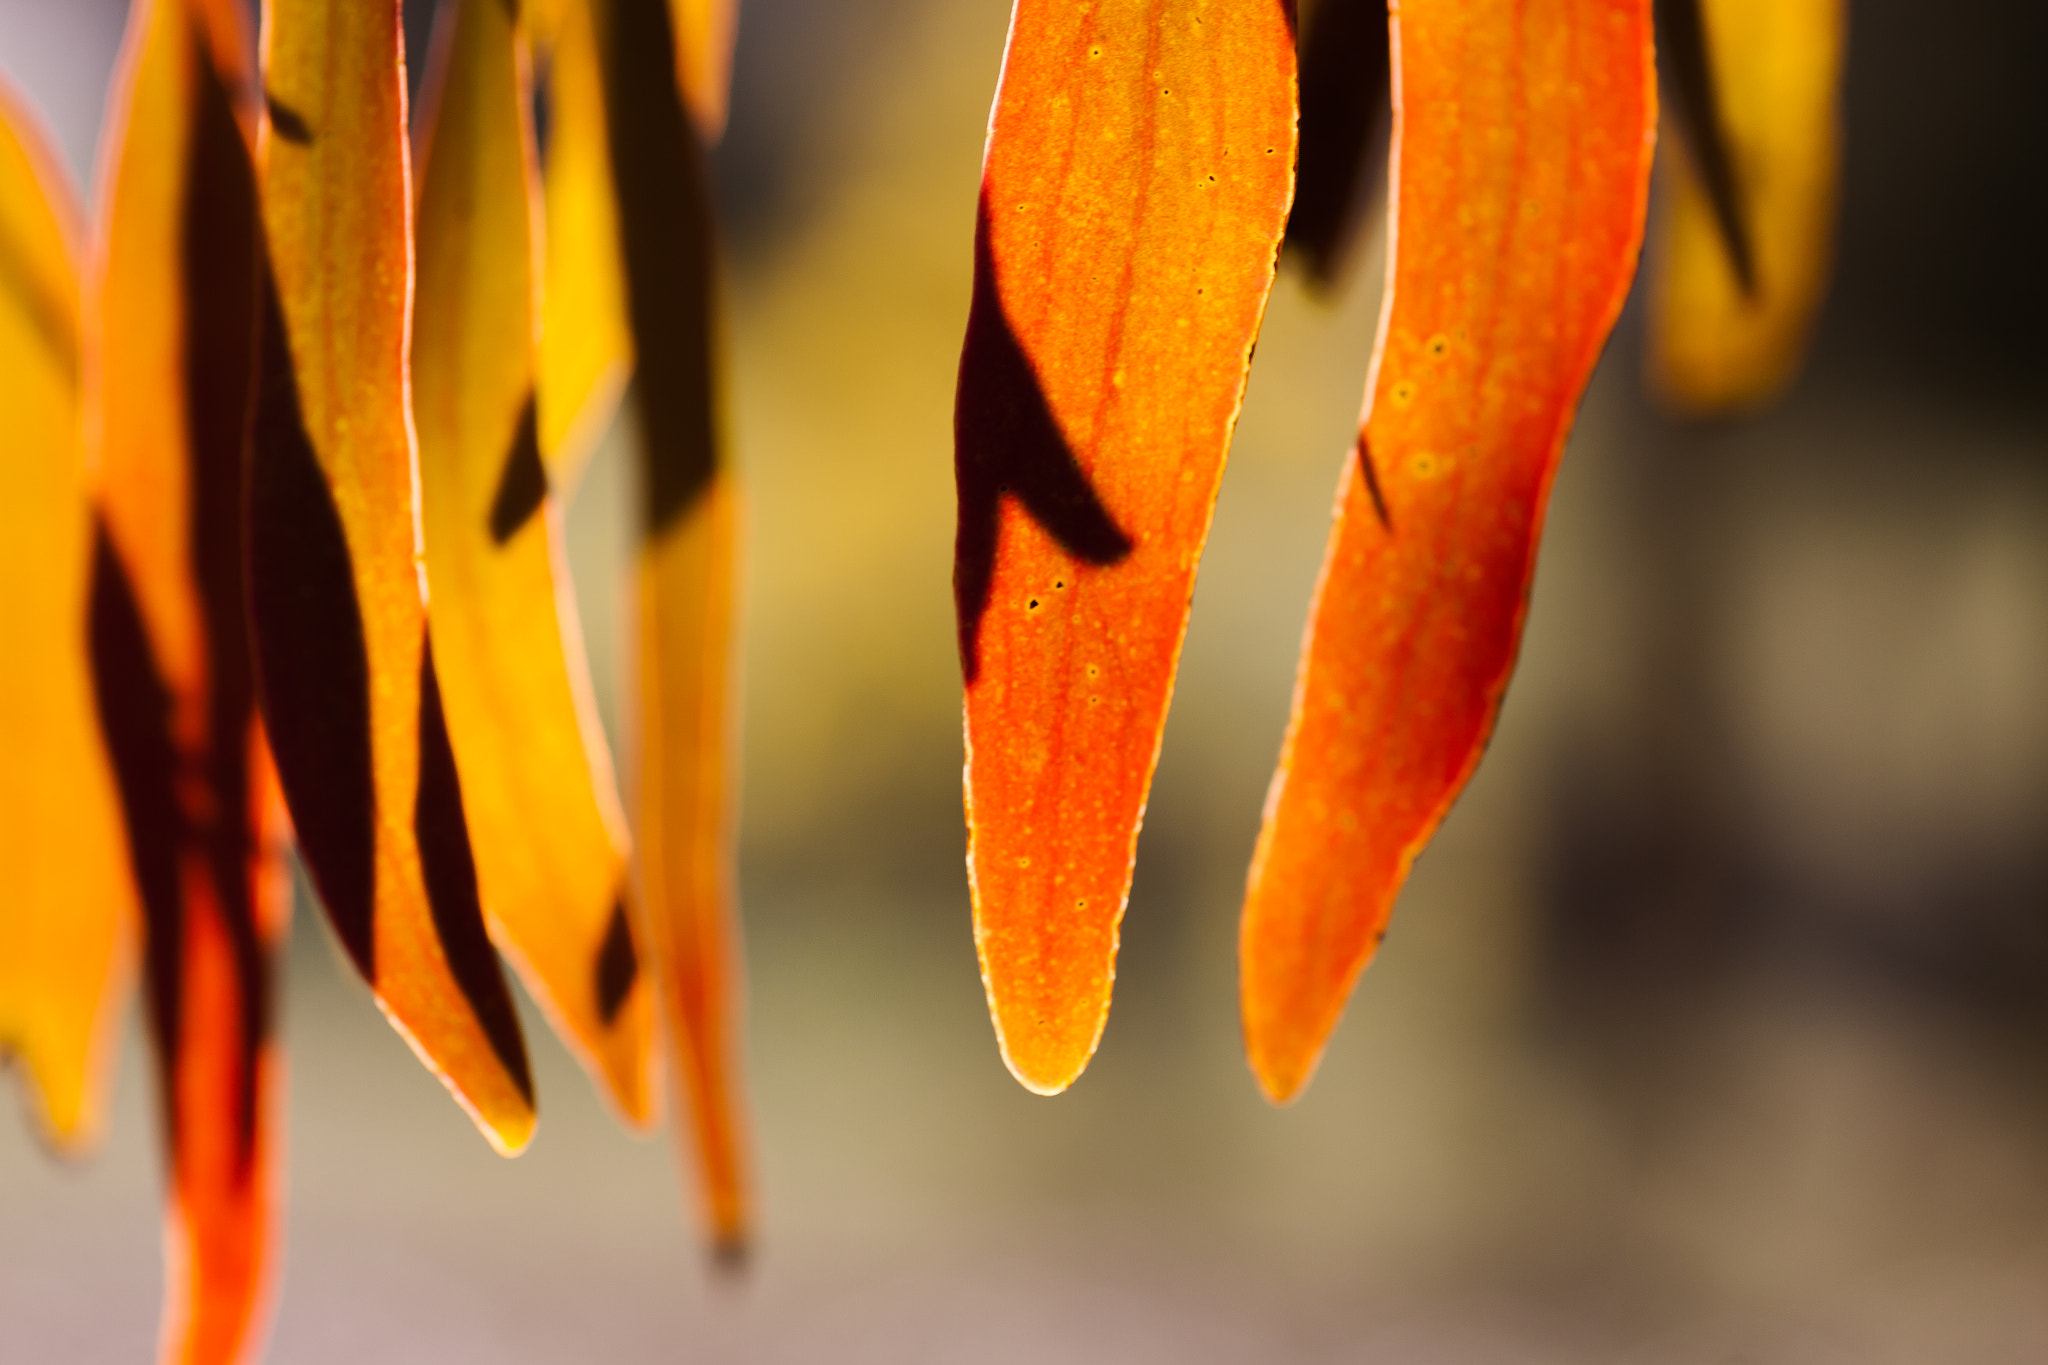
(686, 579)
(687, 636)
(536, 778)
(350, 693)
(704, 36)
(67, 912)
(173, 320)
(1344, 127)
(586, 348)
(1717, 343)
(586, 344)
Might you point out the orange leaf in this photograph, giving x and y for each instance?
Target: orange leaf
(1136, 182)
(1730, 314)
(349, 690)
(686, 580)
(704, 35)
(537, 782)
(1523, 134)
(174, 321)
(67, 921)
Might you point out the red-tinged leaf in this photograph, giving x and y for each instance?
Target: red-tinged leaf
(1746, 227)
(1136, 183)
(350, 695)
(1523, 135)
(536, 778)
(174, 329)
(686, 580)
(68, 918)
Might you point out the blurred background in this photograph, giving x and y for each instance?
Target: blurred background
(1713, 1028)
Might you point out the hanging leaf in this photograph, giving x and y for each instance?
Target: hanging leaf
(1747, 227)
(1135, 186)
(68, 917)
(687, 567)
(1523, 131)
(586, 344)
(536, 777)
(174, 318)
(349, 690)
(1344, 119)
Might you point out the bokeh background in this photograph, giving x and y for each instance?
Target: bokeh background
(1713, 1028)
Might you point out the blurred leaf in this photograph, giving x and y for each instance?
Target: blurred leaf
(704, 36)
(537, 781)
(174, 325)
(586, 343)
(68, 918)
(686, 591)
(1740, 268)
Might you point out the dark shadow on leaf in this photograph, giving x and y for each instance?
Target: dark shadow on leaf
(220, 248)
(522, 482)
(1007, 443)
(617, 966)
(666, 238)
(312, 662)
(134, 708)
(449, 870)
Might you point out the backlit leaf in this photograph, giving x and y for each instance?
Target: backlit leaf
(1136, 183)
(68, 914)
(688, 561)
(704, 35)
(1523, 135)
(349, 690)
(1733, 304)
(536, 778)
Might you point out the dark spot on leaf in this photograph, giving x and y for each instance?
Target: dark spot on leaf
(1372, 483)
(287, 122)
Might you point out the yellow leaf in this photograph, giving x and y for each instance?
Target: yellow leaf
(67, 921)
(1718, 343)
(350, 693)
(536, 778)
